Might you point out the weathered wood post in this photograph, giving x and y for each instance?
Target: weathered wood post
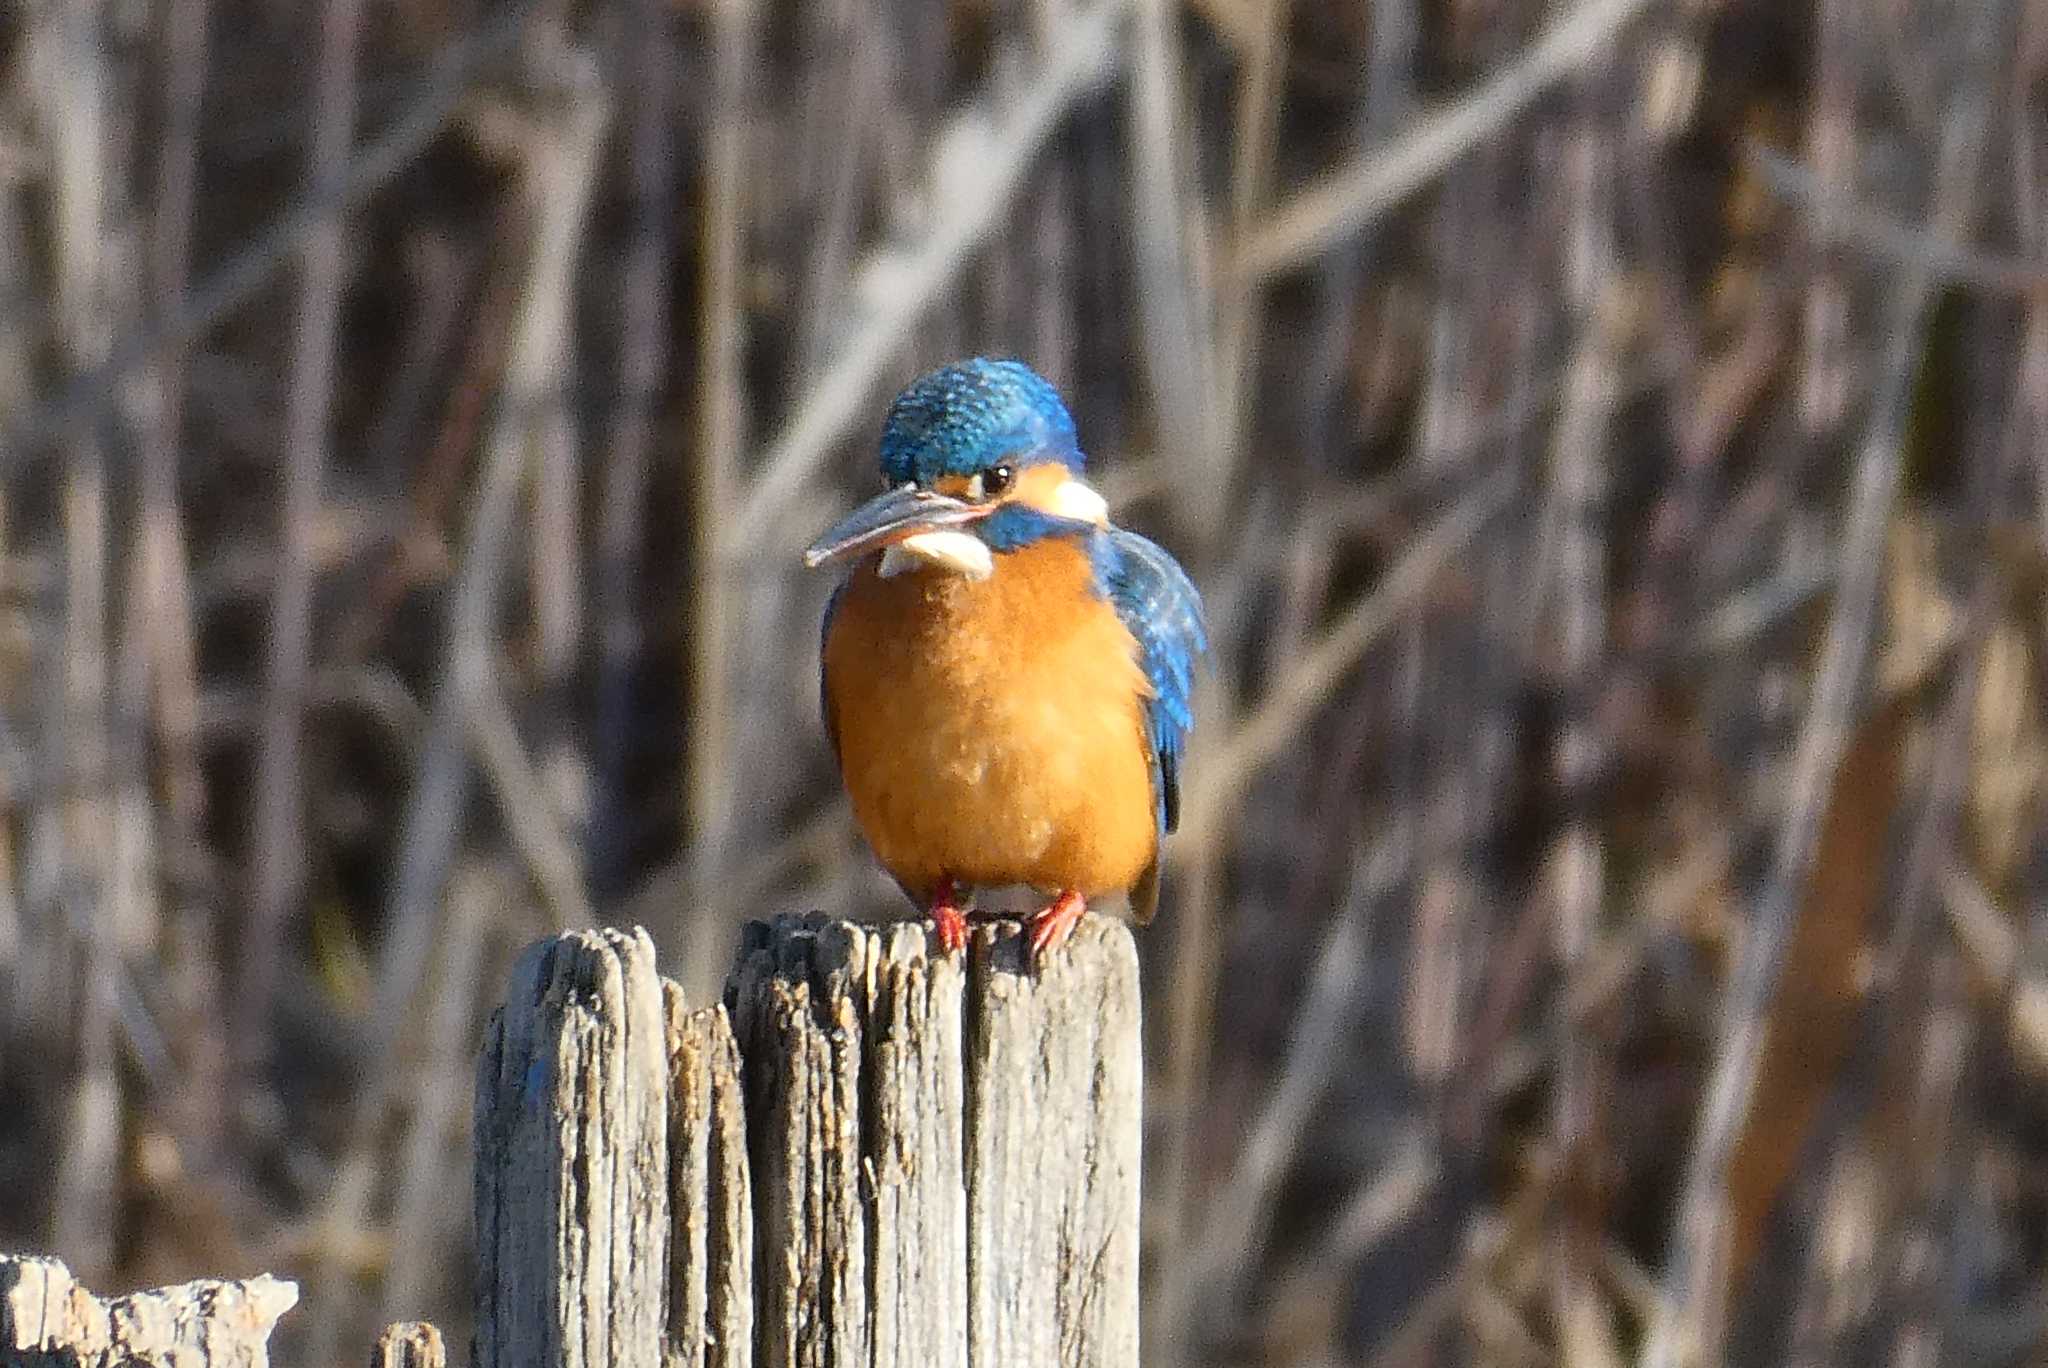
(865, 1157)
(873, 1156)
(571, 1142)
(48, 1321)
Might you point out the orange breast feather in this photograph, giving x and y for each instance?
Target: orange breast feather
(989, 730)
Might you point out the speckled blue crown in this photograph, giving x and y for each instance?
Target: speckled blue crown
(966, 417)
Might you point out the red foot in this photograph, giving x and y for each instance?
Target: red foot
(948, 918)
(1050, 928)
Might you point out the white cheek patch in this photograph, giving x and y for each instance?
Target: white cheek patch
(1072, 499)
(961, 552)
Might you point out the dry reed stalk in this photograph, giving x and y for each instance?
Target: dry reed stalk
(1927, 1025)
(1182, 1041)
(526, 804)
(69, 84)
(1254, 135)
(555, 562)
(560, 160)
(1418, 1339)
(279, 840)
(1924, 1026)
(1174, 1093)
(1577, 867)
(1229, 765)
(1825, 363)
(639, 50)
(1378, 181)
(1839, 218)
(15, 804)
(13, 782)
(432, 1149)
(719, 433)
(1695, 1275)
(1177, 311)
(2017, 994)
(156, 670)
(1234, 1235)
(848, 88)
(83, 398)
(160, 670)
(979, 158)
(419, 548)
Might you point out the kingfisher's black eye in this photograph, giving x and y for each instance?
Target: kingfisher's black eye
(995, 480)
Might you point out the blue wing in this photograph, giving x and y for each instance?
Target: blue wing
(1161, 609)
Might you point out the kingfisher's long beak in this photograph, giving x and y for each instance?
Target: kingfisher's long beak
(889, 518)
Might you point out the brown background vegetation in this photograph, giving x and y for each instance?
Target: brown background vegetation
(1609, 435)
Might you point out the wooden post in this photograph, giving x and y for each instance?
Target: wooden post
(48, 1321)
(874, 1157)
(711, 1246)
(571, 1143)
(946, 1165)
(1053, 1084)
(822, 1008)
(867, 1157)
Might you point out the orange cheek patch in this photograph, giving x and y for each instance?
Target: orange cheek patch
(953, 486)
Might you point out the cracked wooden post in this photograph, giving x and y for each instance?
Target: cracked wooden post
(48, 1321)
(571, 1144)
(711, 1245)
(1053, 1070)
(867, 1157)
(945, 1165)
(614, 1225)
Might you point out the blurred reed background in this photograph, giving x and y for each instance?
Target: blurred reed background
(1610, 436)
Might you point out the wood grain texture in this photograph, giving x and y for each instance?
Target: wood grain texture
(946, 1155)
(1054, 1077)
(801, 1038)
(572, 1160)
(48, 1321)
(711, 1250)
(911, 1006)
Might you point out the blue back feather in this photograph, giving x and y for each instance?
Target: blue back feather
(1163, 612)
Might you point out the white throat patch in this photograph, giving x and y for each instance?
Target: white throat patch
(949, 549)
(1072, 499)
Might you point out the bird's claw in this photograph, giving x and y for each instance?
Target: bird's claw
(951, 924)
(949, 920)
(1050, 928)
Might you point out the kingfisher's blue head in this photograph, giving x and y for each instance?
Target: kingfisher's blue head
(971, 417)
(980, 458)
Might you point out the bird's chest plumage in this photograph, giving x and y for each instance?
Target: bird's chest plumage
(990, 730)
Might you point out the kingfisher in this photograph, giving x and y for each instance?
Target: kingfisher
(1005, 675)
